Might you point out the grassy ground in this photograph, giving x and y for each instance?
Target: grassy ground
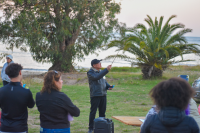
(128, 98)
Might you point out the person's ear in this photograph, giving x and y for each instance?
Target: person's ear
(20, 72)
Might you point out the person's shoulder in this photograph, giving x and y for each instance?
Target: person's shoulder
(2, 88)
(26, 90)
(190, 120)
(62, 94)
(38, 93)
(90, 70)
(5, 64)
(152, 116)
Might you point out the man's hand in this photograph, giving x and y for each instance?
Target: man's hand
(111, 87)
(109, 67)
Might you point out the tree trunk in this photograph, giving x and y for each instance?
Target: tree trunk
(64, 60)
(154, 73)
(67, 66)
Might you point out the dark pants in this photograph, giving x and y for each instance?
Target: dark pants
(100, 103)
(5, 83)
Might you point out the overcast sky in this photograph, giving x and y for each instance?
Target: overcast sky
(187, 12)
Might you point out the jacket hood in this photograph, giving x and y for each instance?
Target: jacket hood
(171, 116)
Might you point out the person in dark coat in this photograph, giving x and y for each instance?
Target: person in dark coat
(98, 90)
(171, 98)
(55, 107)
(14, 100)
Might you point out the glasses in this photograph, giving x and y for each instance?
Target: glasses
(7, 58)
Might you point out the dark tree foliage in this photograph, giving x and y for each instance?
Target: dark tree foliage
(58, 31)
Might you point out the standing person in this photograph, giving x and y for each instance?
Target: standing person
(55, 107)
(98, 90)
(14, 100)
(171, 98)
(4, 76)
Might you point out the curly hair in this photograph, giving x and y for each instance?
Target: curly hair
(49, 81)
(175, 92)
(12, 70)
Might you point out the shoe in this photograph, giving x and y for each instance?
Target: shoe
(90, 131)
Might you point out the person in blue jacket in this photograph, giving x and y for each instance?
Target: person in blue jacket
(4, 76)
(171, 98)
(98, 90)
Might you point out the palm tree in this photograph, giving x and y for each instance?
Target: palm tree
(155, 47)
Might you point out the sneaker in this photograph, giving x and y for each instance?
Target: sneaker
(90, 131)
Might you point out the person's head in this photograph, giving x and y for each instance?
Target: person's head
(175, 92)
(96, 64)
(52, 81)
(9, 58)
(14, 71)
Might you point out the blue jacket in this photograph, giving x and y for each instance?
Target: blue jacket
(4, 76)
(170, 117)
(98, 85)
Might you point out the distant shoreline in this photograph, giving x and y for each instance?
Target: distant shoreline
(30, 69)
(46, 70)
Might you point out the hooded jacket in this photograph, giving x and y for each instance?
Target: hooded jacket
(4, 76)
(171, 118)
(98, 85)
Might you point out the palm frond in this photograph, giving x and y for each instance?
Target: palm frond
(160, 24)
(170, 18)
(149, 21)
(122, 57)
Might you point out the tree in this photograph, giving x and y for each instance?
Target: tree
(155, 47)
(58, 31)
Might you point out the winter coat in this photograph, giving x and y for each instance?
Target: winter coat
(170, 118)
(98, 85)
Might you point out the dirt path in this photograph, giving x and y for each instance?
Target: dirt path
(68, 78)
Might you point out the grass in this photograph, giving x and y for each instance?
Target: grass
(128, 98)
(125, 69)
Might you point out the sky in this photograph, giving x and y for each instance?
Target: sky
(187, 12)
(133, 12)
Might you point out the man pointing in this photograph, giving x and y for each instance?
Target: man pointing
(98, 90)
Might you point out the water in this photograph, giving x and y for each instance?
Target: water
(26, 60)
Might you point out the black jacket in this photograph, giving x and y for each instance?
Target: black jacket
(54, 108)
(170, 117)
(98, 85)
(14, 100)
